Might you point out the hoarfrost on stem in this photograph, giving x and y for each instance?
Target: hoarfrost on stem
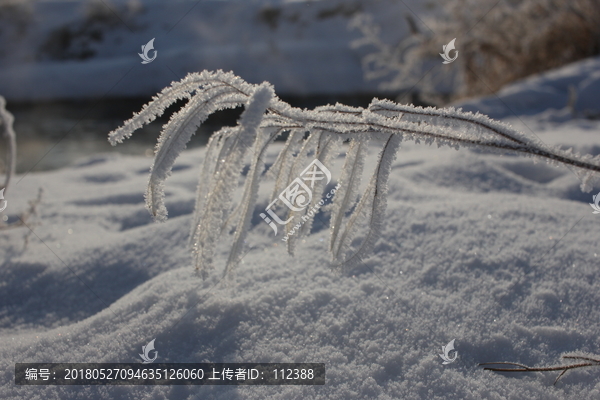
(6, 126)
(316, 134)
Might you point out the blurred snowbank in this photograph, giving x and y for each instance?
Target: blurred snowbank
(561, 94)
(70, 49)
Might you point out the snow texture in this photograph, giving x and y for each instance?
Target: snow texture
(475, 247)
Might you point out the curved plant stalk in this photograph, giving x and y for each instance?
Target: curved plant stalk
(313, 134)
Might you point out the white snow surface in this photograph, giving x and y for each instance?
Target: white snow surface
(496, 252)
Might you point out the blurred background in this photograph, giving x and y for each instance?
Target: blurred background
(70, 69)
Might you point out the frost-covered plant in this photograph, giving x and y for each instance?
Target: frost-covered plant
(6, 127)
(397, 66)
(313, 134)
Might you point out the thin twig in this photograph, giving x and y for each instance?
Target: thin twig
(564, 368)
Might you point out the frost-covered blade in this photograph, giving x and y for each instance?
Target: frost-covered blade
(346, 195)
(370, 211)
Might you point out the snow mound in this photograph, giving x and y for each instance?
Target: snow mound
(560, 94)
(488, 250)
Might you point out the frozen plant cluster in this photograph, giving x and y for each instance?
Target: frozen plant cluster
(322, 134)
(498, 41)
